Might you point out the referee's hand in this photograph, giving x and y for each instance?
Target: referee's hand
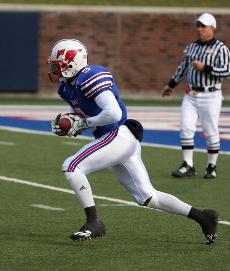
(199, 66)
(166, 91)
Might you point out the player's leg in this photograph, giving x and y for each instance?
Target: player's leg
(188, 121)
(133, 175)
(102, 153)
(209, 109)
(82, 189)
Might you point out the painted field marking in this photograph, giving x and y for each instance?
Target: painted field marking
(46, 207)
(153, 145)
(116, 205)
(36, 132)
(58, 189)
(71, 143)
(224, 222)
(7, 143)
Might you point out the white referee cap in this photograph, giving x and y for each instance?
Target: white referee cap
(207, 19)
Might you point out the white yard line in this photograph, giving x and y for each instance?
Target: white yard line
(58, 189)
(28, 131)
(224, 222)
(71, 143)
(112, 205)
(7, 143)
(22, 130)
(46, 207)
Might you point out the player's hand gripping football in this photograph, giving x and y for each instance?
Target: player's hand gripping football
(79, 125)
(55, 126)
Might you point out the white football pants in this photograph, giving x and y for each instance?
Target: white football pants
(121, 151)
(207, 108)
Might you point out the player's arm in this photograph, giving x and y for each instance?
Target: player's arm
(111, 111)
(97, 87)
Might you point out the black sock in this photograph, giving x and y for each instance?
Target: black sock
(91, 214)
(196, 215)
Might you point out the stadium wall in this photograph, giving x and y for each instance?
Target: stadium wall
(141, 46)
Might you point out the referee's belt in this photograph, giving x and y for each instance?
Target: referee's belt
(203, 89)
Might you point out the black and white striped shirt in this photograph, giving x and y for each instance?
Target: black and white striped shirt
(216, 57)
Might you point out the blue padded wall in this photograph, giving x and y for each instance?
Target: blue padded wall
(19, 39)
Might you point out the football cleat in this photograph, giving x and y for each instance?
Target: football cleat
(209, 225)
(184, 171)
(210, 172)
(89, 230)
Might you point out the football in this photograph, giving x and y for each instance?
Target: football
(65, 123)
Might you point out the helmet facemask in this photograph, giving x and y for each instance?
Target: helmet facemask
(55, 72)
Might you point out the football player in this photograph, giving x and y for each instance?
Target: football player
(92, 94)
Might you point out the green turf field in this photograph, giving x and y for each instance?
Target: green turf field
(137, 238)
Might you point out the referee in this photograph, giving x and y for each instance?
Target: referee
(206, 63)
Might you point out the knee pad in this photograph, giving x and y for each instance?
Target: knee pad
(69, 175)
(66, 165)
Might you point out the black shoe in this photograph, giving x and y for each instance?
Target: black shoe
(89, 230)
(209, 225)
(210, 172)
(184, 171)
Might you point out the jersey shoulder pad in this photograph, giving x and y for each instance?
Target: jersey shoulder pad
(93, 80)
